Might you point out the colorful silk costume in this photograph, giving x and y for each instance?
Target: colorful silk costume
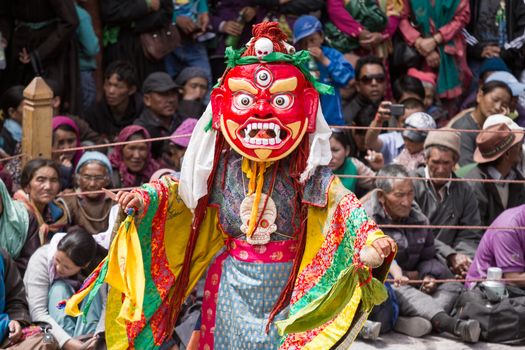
(256, 205)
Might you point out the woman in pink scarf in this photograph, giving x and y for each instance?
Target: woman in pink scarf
(132, 163)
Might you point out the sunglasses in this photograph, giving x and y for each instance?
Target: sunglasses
(367, 79)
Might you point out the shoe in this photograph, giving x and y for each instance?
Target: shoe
(413, 326)
(370, 330)
(468, 330)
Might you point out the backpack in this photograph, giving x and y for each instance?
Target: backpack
(501, 321)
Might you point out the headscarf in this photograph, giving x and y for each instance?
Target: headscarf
(91, 156)
(14, 222)
(128, 179)
(62, 120)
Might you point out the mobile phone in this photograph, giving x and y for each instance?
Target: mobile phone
(397, 110)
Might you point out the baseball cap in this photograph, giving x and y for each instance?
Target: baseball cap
(304, 26)
(158, 82)
(509, 79)
(418, 120)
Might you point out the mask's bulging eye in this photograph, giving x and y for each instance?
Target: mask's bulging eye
(243, 100)
(282, 101)
(263, 78)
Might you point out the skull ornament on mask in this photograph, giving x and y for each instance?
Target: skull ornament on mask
(264, 109)
(263, 47)
(266, 226)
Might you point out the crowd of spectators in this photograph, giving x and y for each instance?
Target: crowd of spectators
(449, 73)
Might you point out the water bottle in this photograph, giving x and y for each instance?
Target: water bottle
(233, 40)
(2, 54)
(494, 287)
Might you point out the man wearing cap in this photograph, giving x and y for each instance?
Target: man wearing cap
(498, 153)
(159, 116)
(446, 202)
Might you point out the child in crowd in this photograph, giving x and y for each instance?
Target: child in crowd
(11, 109)
(331, 65)
(412, 155)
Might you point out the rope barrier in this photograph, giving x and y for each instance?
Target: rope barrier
(113, 144)
(12, 157)
(464, 280)
(452, 179)
(79, 193)
(163, 138)
(395, 128)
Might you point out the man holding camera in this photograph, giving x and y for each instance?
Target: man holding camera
(390, 144)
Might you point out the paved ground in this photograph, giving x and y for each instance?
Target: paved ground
(396, 341)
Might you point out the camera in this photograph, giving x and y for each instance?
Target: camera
(397, 110)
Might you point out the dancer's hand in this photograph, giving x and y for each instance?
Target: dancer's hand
(384, 246)
(129, 200)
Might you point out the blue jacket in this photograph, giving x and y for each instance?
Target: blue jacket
(88, 48)
(337, 74)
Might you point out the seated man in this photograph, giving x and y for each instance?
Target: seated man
(121, 103)
(498, 154)
(425, 308)
(503, 248)
(14, 313)
(160, 115)
(446, 202)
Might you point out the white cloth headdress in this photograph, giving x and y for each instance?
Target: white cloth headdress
(198, 159)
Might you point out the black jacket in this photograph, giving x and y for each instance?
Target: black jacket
(416, 248)
(490, 205)
(459, 208)
(102, 120)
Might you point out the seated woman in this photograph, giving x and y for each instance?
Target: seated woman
(18, 230)
(132, 164)
(91, 211)
(66, 135)
(53, 275)
(492, 98)
(342, 164)
(40, 185)
(11, 105)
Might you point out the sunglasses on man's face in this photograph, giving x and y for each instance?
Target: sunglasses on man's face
(367, 79)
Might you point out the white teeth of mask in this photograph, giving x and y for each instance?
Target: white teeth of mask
(262, 141)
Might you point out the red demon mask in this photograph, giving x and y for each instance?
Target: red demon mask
(264, 110)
